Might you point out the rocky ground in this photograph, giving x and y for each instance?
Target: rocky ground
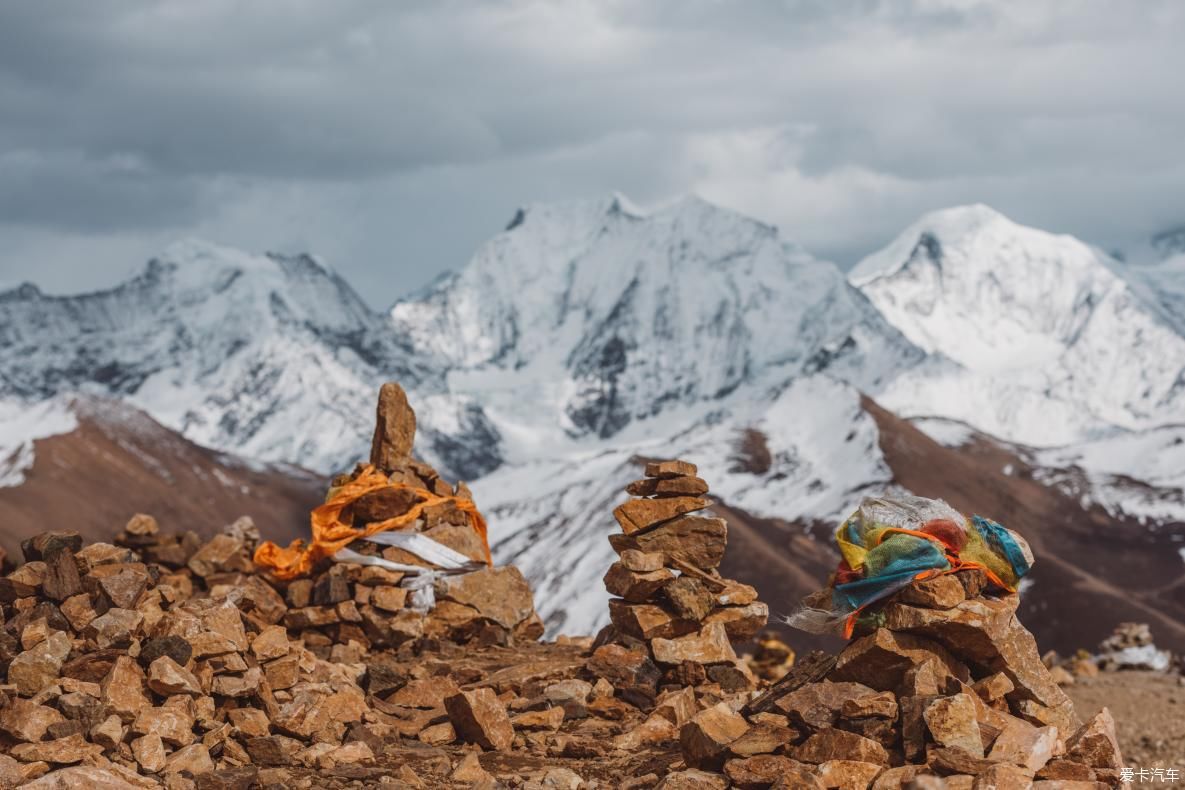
(1149, 710)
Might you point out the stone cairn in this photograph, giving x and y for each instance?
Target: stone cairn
(942, 687)
(165, 659)
(674, 617)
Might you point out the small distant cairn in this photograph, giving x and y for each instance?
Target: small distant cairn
(674, 617)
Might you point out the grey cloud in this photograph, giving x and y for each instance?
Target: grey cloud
(393, 137)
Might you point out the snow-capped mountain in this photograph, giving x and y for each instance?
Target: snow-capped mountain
(269, 356)
(590, 334)
(1034, 337)
(584, 318)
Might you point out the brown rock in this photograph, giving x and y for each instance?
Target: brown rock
(816, 706)
(634, 586)
(899, 777)
(639, 515)
(947, 761)
(631, 672)
(690, 779)
(61, 751)
(124, 589)
(193, 760)
(762, 739)
(882, 705)
(665, 470)
(705, 739)
(833, 744)
(1067, 769)
(123, 689)
(394, 430)
(79, 611)
(677, 707)
(273, 750)
(271, 642)
(114, 628)
(142, 525)
(847, 774)
(1003, 777)
(149, 752)
(27, 721)
(388, 598)
(881, 659)
(244, 685)
(690, 598)
(741, 622)
(939, 592)
(173, 723)
(1095, 744)
(249, 722)
(479, 717)
(61, 576)
(951, 722)
(698, 541)
(282, 673)
(39, 666)
(641, 561)
(222, 554)
(648, 621)
(469, 770)
(1022, 744)
(167, 677)
(548, 719)
(993, 687)
(709, 646)
(498, 594)
(438, 734)
(673, 486)
(425, 693)
(109, 732)
(762, 771)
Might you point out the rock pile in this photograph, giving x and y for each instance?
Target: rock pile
(1130, 646)
(673, 615)
(940, 681)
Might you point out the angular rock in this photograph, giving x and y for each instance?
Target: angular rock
(149, 752)
(648, 621)
(27, 721)
(666, 470)
(173, 723)
(1095, 743)
(695, 540)
(498, 594)
(832, 744)
(952, 722)
(61, 576)
(394, 430)
(847, 774)
(709, 646)
(640, 561)
(1003, 777)
(122, 690)
(673, 486)
(939, 592)
(634, 586)
(762, 771)
(881, 659)
(639, 515)
(175, 647)
(882, 705)
(479, 717)
(114, 628)
(690, 598)
(167, 677)
(741, 622)
(1022, 744)
(61, 751)
(193, 760)
(39, 666)
(692, 779)
(631, 672)
(705, 739)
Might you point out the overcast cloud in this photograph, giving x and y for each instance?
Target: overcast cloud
(392, 138)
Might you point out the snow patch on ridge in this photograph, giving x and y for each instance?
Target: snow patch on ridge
(21, 424)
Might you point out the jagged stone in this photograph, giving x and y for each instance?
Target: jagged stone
(952, 722)
(672, 486)
(666, 470)
(395, 428)
(1095, 743)
(478, 717)
(882, 659)
(705, 739)
(832, 744)
(847, 774)
(709, 646)
(635, 586)
(695, 540)
(639, 515)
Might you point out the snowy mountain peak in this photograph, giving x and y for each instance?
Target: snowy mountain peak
(1052, 339)
(616, 313)
(983, 290)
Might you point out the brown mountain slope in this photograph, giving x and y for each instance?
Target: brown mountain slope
(119, 461)
(1092, 571)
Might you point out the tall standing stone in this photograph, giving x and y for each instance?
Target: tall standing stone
(394, 430)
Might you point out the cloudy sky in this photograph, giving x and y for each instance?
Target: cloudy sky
(391, 138)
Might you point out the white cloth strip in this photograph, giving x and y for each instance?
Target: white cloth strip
(423, 547)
